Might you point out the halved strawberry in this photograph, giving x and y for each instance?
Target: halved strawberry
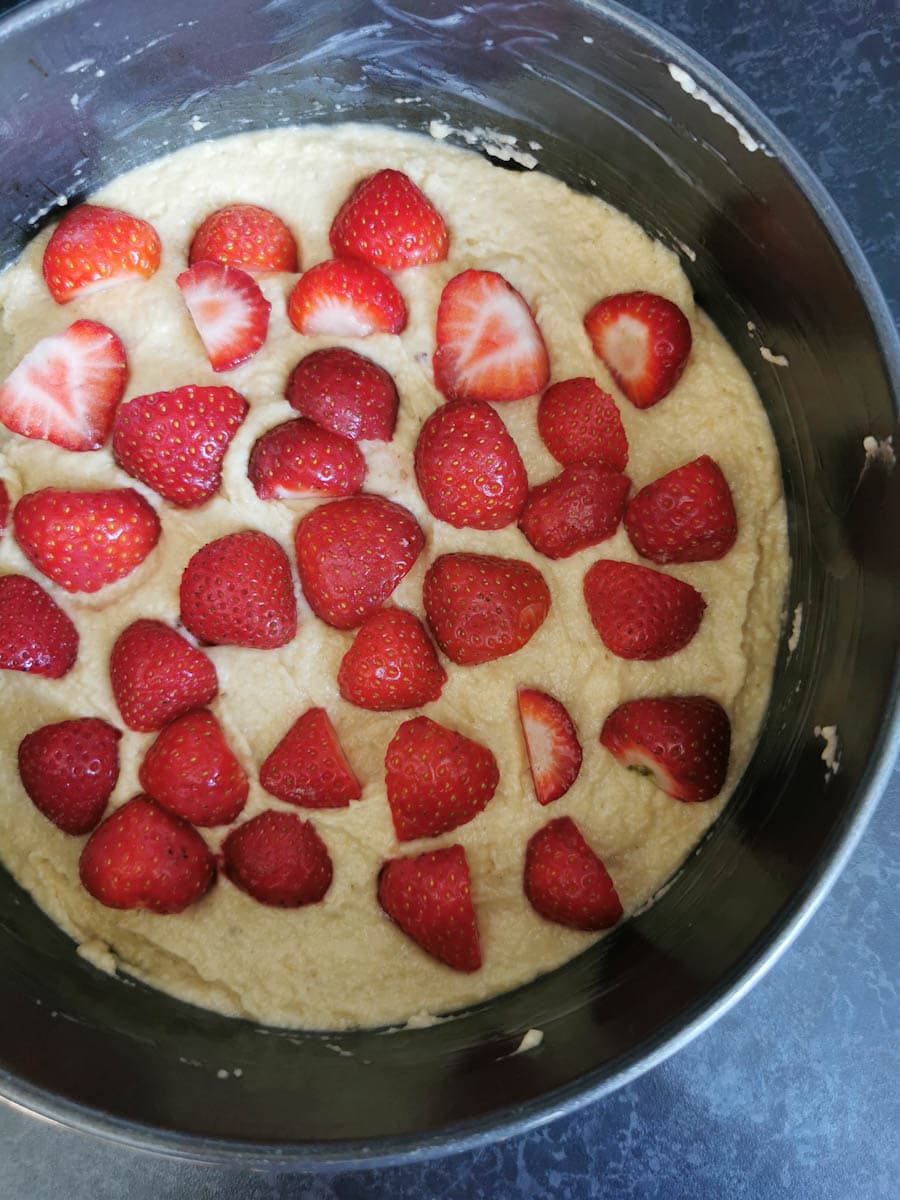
(278, 859)
(65, 390)
(488, 344)
(579, 422)
(566, 882)
(144, 857)
(346, 393)
(681, 742)
(238, 591)
(308, 767)
(482, 607)
(388, 221)
(4, 507)
(35, 634)
(551, 742)
(157, 675)
(685, 516)
(430, 897)
(94, 247)
(351, 555)
(245, 236)
(299, 458)
(229, 311)
(580, 507)
(69, 771)
(391, 664)
(175, 441)
(644, 340)
(641, 613)
(85, 540)
(344, 297)
(468, 468)
(436, 779)
(191, 771)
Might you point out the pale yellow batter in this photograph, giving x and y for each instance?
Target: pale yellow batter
(342, 962)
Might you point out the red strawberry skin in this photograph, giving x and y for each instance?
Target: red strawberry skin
(430, 897)
(85, 540)
(346, 393)
(69, 771)
(94, 247)
(144, 857)
(245, 236)
(299, 458)
(191, 771)
(4, 507)
(644, 340)
(344, 297)
(640, 613)
(229, 311)
(391, 664)
(352, 554)
(238, 591)
(468, 468)
(66, 388)
(685, 516)
(175, 442)
(157, 675)
(681, 742)
(389, 222)
(582, 506)
(36, 636)
(566, 882)
(579, 422)
(481, 607)
(436, 779)
(551, 742)
(308, 767)
(488, 344)
(279, 860)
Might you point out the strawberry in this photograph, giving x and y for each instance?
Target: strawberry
(299, 458)
(346, 393)
(481, 607)
(94, 248)
(344, 297)
(685, 516)
(191, 771)
(245, 236)
(566, 882)
(69, 771)
(580, 507)
(66, 388)
(579, 422)
(238, 591)
(35, 634)
(175, 442)
(4, 507)
(644, 340)
(488, 344)
(157, 675)
(308, 767)
(436, 779)
(641, 613)
(387, 221)
(430, 898)
(551, 742)
(681, 742)
(85, 540)
(468, 468)
(278, 859)
(229, 312)
(144, 857)
(351, 554)
(391, 664)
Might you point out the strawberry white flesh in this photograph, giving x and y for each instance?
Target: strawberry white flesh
(229, 310)
(554, 752)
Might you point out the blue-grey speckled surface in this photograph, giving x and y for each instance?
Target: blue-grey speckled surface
(795, 1092)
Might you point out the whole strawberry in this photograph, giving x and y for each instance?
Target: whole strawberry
(391, 664)
(94, 247)
(278, 859)
(245, 236)
(346, 393)
(566, 882)
(69, 771)
(641, 613)
(644, 340)
(308, 767)
(430, 897)
(230, 313)
(580, 507)
(578, 423)
(388, 221)
(345, 297)
(685, 516)
(191, 771)
(157, 675)
(36, 636)
(299, 458)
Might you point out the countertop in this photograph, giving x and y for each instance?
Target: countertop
(794, 1092)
